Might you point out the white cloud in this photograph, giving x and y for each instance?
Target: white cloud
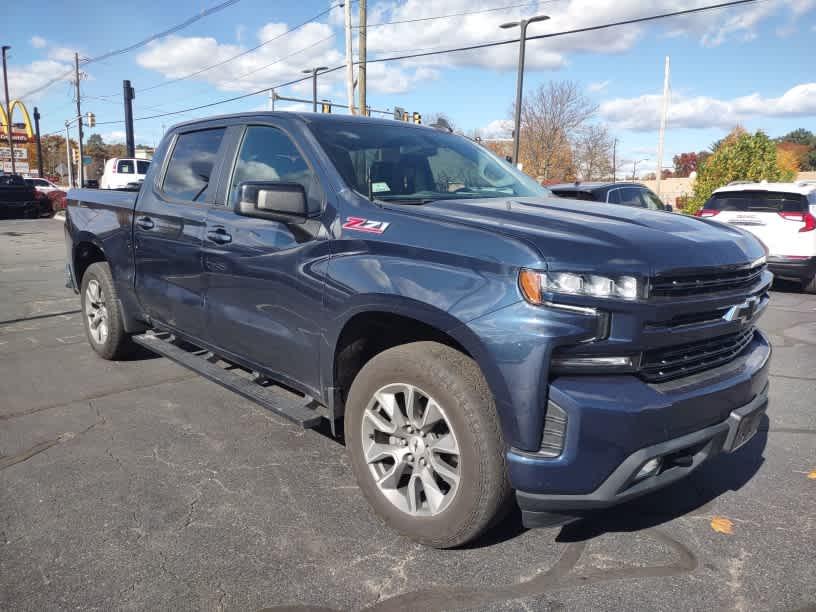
(643, 113)
(497, 129)
(25, 78)
(598, 86)
(38, 42)
(114, 137)
(61, 54)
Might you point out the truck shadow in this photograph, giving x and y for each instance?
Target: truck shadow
(690, 496)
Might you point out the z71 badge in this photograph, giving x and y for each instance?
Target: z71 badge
(358, 224)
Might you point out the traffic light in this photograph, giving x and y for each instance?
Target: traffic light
(91, 120)
(75, 155)
(405, 116)
(417, 118)
(325, 107)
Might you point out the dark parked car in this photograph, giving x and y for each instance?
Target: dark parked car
(19, 199)
(627, 194)
(476, 334)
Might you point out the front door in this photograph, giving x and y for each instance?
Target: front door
(168, 229)
(264, 294)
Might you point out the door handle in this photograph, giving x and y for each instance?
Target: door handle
(146, 223)
(219, 236)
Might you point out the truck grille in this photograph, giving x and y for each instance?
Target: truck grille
(665, 364)
(717, 280)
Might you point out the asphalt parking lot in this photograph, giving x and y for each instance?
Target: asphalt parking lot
(137, 485)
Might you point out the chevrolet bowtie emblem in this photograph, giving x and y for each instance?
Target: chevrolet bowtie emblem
(742, 312)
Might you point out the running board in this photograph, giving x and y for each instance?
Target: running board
(252, 386)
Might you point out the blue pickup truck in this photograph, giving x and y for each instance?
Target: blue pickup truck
(477, 339)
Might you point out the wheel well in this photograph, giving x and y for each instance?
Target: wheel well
(368, 334)
(85, 254)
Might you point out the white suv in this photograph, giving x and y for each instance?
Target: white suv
(781, 215)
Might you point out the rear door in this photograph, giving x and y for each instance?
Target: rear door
(774, 217)
(168, 229)
(264, 295)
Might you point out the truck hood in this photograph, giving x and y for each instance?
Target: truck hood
(572, 234)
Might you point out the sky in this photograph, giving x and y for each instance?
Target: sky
(750, 65)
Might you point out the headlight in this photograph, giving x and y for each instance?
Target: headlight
(535, 284)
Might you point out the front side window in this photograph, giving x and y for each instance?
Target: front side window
(413, 165)
(267, 154)
(191, 164)
(125, 166)
(142, 166)
(652, 201)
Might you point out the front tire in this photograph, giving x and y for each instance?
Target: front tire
(425, 444)
(101, 315)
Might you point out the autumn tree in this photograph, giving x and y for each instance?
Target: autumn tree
(552, 117)
(593, 152)
(740, 156)
(804, 143)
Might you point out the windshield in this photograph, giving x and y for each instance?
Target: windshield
(413, 165)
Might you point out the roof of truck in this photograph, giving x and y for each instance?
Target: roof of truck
(307, 117)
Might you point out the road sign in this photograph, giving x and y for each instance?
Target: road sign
(86, 160)
(19, 153)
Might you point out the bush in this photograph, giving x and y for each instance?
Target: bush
(740, 157)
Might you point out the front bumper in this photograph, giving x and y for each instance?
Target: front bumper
(801, 270)
(615, 424)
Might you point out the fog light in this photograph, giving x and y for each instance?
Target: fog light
(648, 468)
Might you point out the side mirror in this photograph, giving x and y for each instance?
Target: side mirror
(273, 201)
(669, 208)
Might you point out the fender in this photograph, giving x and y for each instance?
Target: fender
(431, 316)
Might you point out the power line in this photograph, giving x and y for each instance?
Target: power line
(458, 49)
(462, 14)
(141, 43)
(566, 32)
(241, 54)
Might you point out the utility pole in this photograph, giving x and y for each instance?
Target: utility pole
(80, 170)
(361, 69)
(271, 103)
(68, 155)
(39, 142)
(520, 79)
(313, 72)
(662, 126)
(349, 60)
(128, 94)
(614, 160)
(8, 110)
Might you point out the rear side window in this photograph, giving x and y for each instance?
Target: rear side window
(125, 166)
(758, 201)
(191, 164)
(142, 166)
(575, 195)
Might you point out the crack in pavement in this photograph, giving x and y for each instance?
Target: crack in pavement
(561, 575)
(42, 316)
(97, 396)
(6, 462)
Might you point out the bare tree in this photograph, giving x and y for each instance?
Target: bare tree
(434, 119)
(551, 119)
(593, 152)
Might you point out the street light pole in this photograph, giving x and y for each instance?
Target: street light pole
(8, 111)
(313, 72)
(520, 79)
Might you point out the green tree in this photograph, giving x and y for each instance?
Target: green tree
(740, 156)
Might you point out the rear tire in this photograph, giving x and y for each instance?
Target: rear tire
(435, 473)
(101, 315)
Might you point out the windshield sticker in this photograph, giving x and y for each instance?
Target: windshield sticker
(380, 187)
(359, 224)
